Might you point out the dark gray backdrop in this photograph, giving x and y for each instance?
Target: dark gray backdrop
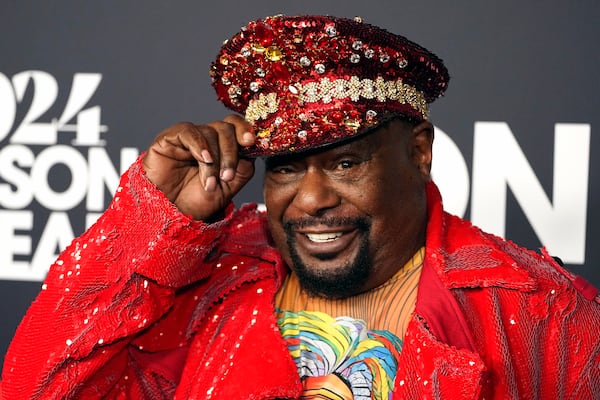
(530, 65)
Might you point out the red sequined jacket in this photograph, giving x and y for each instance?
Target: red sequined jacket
(150, 304)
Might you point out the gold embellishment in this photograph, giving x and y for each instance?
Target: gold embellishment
(262, 107)
(355, 88)
(273, 53)
(352, 123)
(263, 133)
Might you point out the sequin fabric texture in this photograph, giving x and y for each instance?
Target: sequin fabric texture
(307, 81)
(176, 309)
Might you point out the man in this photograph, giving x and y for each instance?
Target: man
(355, 284)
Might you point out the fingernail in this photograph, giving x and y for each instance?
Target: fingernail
(206, 157)
(211, 184)
(227, 174)
(248, 138)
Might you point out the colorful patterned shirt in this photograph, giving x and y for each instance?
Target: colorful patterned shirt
(348, 348)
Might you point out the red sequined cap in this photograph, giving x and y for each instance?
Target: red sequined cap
(307, 81)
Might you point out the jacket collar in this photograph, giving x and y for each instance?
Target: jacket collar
(464, 256)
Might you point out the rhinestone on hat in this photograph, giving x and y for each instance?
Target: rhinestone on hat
(305, 61)
(320, 68)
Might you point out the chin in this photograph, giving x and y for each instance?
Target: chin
(334, 281)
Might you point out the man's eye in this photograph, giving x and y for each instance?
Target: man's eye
(284, 169)
(346, 164)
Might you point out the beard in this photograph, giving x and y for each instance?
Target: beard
(342, 281)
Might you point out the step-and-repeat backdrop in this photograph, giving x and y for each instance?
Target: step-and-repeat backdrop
(85, 86)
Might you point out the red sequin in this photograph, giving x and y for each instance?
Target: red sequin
(268, 65)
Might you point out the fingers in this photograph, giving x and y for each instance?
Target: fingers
(215, 147)
(232, 133)
(221, 155)
(225, 151)
(198, 167)
(243, 129)
(203, 142)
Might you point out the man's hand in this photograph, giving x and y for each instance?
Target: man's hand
(197, 166)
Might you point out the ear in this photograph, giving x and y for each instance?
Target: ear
(422, 135)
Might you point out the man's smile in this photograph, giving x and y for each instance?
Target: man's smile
(326, 239)
(323, 237)
(327, 244)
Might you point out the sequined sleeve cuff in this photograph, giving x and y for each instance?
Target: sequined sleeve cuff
(162, 243)
(112, 282)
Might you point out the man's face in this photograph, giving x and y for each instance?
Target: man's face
(347, 217)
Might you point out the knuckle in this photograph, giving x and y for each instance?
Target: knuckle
(233, 118)
(174, 130)
(223, 128)
(182, 127)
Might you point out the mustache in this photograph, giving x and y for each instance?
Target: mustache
(362, 223)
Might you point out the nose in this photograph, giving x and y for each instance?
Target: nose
(315, 193)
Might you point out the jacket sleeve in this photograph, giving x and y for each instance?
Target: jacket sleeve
(111, 283)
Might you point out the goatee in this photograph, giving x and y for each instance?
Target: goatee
(333, 283)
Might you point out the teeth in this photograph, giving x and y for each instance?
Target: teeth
(323, 237)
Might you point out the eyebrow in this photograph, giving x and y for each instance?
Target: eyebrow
(368, 143)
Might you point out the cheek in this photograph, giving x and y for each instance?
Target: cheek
(279, 239)
(277, 202)
(399, 205)
(404, 184)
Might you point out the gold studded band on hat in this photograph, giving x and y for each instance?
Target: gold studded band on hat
(354, 89)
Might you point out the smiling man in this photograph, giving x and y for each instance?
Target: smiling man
(355, 284)
(331, 214)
